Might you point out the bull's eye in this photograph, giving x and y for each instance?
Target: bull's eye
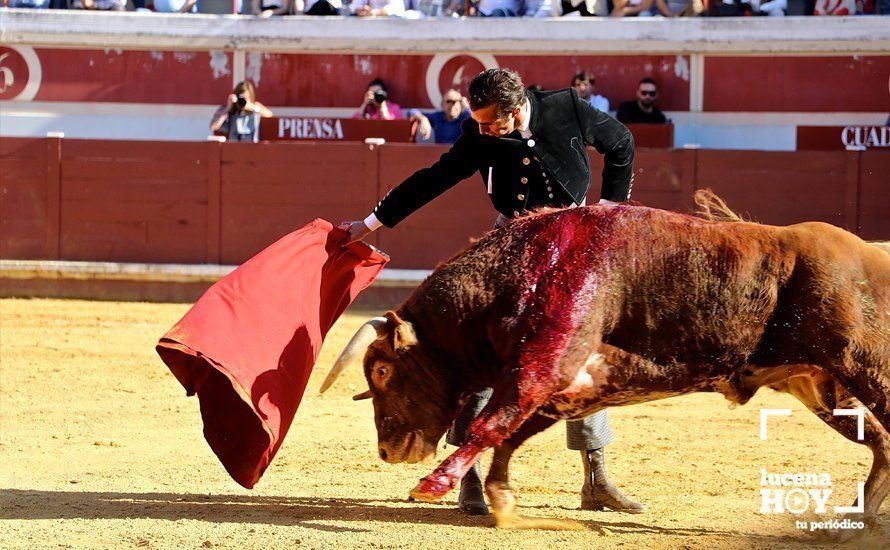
(380, 374)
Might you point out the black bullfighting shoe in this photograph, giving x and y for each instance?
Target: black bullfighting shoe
(598, 493)
(472, 498)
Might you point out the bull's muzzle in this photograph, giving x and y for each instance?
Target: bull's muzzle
(411, 449)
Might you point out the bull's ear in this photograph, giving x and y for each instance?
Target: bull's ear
(403, 335)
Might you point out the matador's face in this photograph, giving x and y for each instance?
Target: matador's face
(491, 123)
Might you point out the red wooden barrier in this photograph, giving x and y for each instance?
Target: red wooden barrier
(874, 195)
(784, 187)
(25, 175)
(654, 136)
(268, 189)
(443, 227)
(222, 203)
(139, 201)
(663, 178)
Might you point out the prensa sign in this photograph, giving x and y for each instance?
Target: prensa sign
(297, 128)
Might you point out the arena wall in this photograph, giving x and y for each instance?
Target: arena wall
(220, 203)
(160, 76)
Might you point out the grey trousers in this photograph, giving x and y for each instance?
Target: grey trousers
(593, 432)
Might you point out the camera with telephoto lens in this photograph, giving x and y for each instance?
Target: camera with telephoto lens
(240, 103)
(380, 96)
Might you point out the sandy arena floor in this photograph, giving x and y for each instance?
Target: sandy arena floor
(99, 447)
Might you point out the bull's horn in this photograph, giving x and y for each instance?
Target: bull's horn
(367, 333)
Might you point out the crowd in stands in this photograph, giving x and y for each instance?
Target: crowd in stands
(419, 9)
(238, 118)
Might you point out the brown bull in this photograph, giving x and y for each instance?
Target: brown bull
(565, 313)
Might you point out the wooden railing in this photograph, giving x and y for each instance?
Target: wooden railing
(220, 203)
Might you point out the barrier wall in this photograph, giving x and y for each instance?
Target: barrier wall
(186, 202)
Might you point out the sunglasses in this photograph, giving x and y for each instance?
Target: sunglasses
(648, 93)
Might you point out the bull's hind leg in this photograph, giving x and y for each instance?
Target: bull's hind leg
(822, 394)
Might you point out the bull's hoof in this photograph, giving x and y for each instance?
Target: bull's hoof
(429, 490)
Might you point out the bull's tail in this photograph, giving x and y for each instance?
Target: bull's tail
(711, 207)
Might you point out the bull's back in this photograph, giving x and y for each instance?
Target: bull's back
(694, 291)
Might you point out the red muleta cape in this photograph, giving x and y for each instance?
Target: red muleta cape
(248, 345)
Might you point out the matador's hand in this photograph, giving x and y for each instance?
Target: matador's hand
(357, 231)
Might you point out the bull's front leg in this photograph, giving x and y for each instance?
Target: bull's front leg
(514, 400)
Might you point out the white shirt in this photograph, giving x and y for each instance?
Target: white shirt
(390, 7)
(527, 111)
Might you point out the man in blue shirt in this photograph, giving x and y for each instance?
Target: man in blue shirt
(443, 126)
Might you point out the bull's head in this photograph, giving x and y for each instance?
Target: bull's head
(414, 398)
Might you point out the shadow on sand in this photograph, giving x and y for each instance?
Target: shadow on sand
(18, 504)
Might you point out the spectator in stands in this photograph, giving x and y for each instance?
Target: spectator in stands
(378, 8)
(239, 118)
(834, 7)
(443, 126)
(319, 7)
(100, 5)
(421, 9)
(496, 8)
(585, 84)
(537, 8)
(726, 8)
(176, 6)
(584, 8)
(631, 8)
(772, 8)
(376, 105)
(268, 8)
(642, 110)
(657, 8)
(31, 4)
(456, 8)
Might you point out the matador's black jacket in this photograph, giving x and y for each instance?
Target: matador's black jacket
(549, 169)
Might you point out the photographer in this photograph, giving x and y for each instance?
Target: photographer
(376, 105)
(239, 118)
